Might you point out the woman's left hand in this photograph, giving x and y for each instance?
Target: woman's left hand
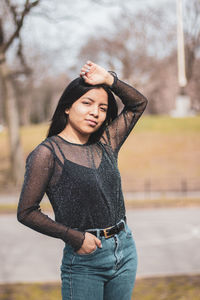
(94, 74)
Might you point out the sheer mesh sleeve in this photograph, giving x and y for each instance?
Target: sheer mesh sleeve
(134, 105)
(39, 170)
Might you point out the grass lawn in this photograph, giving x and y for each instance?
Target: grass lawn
(163, 288)
(161, 149)
(130, 204)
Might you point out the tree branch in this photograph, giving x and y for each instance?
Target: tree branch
(1, 33)
(110, 3)
(18, 19)
(56, 20)
(20, 54)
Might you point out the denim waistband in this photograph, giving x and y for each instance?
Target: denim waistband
(92, 229)
(99, 229)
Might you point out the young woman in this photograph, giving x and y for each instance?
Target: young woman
(76, 165)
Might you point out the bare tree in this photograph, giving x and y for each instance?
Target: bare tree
(17, 14)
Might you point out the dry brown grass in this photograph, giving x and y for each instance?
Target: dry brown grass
(163, 158)
(159, 288)
(162, 149)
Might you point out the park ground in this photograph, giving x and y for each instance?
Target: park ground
(165, 288)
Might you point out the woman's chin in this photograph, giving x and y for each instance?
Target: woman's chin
(89, 130)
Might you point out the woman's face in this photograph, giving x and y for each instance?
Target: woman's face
(87, 114)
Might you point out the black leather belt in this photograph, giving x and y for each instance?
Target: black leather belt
(110, 231)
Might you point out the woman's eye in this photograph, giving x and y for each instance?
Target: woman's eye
(103, 109)
(86, 102)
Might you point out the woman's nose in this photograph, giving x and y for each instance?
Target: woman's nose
(94, 111)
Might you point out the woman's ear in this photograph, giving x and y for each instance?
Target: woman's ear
(67, 111)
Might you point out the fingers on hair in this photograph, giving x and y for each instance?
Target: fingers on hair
(89, 62)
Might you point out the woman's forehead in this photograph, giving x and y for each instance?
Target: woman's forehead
(97, 95)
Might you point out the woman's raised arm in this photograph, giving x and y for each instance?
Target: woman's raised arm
(134, 105)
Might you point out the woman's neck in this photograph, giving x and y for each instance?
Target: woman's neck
(73, 137)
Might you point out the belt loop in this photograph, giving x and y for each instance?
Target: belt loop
(98, 233)
(124, 221)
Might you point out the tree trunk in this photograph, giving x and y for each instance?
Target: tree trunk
(12, 122)
(25, 110)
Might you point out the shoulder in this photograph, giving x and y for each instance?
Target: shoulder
(44, 150)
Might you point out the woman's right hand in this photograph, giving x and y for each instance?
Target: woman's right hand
(90, 243)
(95, 74)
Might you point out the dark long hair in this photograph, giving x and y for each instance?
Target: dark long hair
(77, 88)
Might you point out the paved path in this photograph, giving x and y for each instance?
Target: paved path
(168, 242)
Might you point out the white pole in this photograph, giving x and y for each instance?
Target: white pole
(180, 49)
(182, 103)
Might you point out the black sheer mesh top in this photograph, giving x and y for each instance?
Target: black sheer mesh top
(82, 181)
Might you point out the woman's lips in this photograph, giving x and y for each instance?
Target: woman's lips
(91, 122)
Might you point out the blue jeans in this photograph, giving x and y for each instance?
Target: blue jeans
(107, 273)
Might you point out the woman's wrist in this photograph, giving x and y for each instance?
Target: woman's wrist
(114, 78)
(109, 79)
